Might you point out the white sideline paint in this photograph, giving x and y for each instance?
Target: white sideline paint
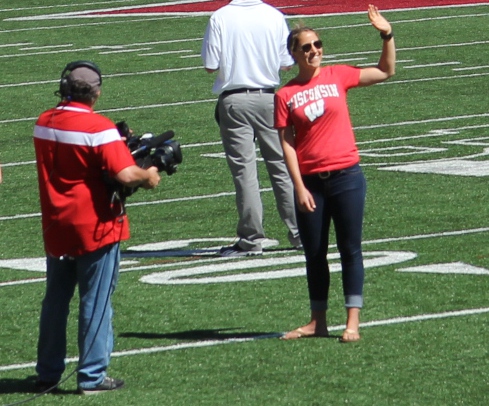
(449, 268)
(121, 47)
(22, 282)
(210, 343)
(405, 150)
(430, 134)
(459, 167)
(183, 103)
(58, 6)
(431, 65)
(470, 68)
(164, 201)
(20, 216)
(182, 276)
(380, 258)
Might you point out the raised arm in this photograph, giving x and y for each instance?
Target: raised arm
(387, 62)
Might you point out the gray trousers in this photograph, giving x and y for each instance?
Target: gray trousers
(244, 118)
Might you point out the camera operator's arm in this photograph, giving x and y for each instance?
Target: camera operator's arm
(134, 176)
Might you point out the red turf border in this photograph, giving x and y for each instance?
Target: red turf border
(305, 7)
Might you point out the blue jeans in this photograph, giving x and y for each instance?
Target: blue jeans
(96, 274)
(339, 197)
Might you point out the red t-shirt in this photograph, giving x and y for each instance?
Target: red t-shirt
(74, 147)
(318, 111)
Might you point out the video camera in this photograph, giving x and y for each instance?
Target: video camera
(167, 153)
(149, 150)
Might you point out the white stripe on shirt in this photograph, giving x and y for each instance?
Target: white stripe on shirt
(77, 137)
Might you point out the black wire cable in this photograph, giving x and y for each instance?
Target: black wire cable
(80, 361)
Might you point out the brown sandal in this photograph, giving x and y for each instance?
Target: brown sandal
(300, 333)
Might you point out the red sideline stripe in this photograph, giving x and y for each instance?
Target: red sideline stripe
(294, 7)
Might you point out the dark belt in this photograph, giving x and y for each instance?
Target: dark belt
(248, 90)
(330, 174)
(327, 174)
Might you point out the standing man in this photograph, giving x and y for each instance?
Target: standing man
(246, 43)
(83, 224)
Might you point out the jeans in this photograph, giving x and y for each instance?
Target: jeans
(96, 274)
(341, 198)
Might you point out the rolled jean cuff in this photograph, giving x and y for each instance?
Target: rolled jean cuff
(354, 301)
(319, 305)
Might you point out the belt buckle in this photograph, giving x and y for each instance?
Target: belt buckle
(324, 175)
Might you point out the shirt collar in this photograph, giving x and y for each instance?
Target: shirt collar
(74, 105)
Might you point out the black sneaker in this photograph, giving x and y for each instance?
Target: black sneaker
(106, 385)
(236, 251)
(46, 386)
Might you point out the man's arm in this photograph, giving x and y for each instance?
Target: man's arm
(211, 48)
(133, 176)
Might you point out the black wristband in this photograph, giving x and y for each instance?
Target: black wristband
(387, 37)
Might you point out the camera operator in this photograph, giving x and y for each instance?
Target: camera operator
(82, 227)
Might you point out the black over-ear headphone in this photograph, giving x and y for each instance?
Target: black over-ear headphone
(64, 84)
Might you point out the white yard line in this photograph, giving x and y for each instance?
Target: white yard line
(210, 343)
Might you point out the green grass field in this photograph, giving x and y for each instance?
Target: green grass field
(194, 329)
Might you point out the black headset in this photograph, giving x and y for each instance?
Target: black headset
(65, 85)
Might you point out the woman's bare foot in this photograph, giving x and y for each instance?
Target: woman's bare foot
(350, 336)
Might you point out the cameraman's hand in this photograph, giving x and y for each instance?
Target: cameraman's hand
(153, 178)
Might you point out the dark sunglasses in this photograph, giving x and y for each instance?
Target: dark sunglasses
(307, 47)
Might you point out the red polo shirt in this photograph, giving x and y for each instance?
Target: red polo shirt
(74, 147)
